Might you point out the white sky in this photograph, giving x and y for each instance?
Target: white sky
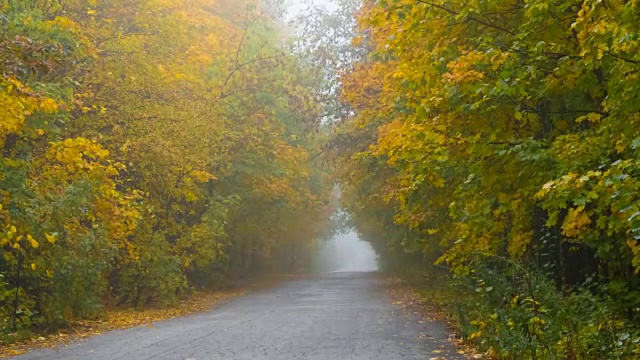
(296, 7)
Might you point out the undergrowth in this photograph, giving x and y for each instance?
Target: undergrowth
(511, 313)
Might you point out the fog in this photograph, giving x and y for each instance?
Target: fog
(298, 7)
(346, 253)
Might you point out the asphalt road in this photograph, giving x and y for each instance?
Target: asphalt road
(332, 317)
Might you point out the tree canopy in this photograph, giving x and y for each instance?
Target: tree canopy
(152, 146)
(149, 147)
(494, 135)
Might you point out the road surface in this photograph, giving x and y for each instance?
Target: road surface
(340, 316)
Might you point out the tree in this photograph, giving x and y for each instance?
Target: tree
(501, 130)
(148, 147)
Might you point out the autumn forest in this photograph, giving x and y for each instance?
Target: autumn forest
(488, 150)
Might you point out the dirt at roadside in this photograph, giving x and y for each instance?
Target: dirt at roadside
(410, 301)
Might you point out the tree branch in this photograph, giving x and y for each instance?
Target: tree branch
(480, 21)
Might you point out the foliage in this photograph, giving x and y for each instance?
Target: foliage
(148, 147)
(517, 313)
(505, 129)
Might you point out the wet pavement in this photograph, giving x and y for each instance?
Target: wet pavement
(331, 317)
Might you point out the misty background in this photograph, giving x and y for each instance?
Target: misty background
(344, 252)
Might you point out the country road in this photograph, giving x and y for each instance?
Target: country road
(331, 317)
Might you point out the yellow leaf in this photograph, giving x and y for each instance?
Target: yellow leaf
(50, 238)
(14, 352)
(474, 335)
(575, 222)
(33, 242)
(202, 176)
(49, 106)
(33, 267)
(545, 189)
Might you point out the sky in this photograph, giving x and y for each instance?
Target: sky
(296, 7)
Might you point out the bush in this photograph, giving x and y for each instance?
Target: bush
(154, 277)
(515, 313)
(75, 284)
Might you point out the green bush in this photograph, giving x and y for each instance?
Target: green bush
(516, 313)
(155, 278)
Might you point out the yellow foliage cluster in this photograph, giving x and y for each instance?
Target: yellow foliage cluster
(575, 222)
(148, 146)
(476, 123)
